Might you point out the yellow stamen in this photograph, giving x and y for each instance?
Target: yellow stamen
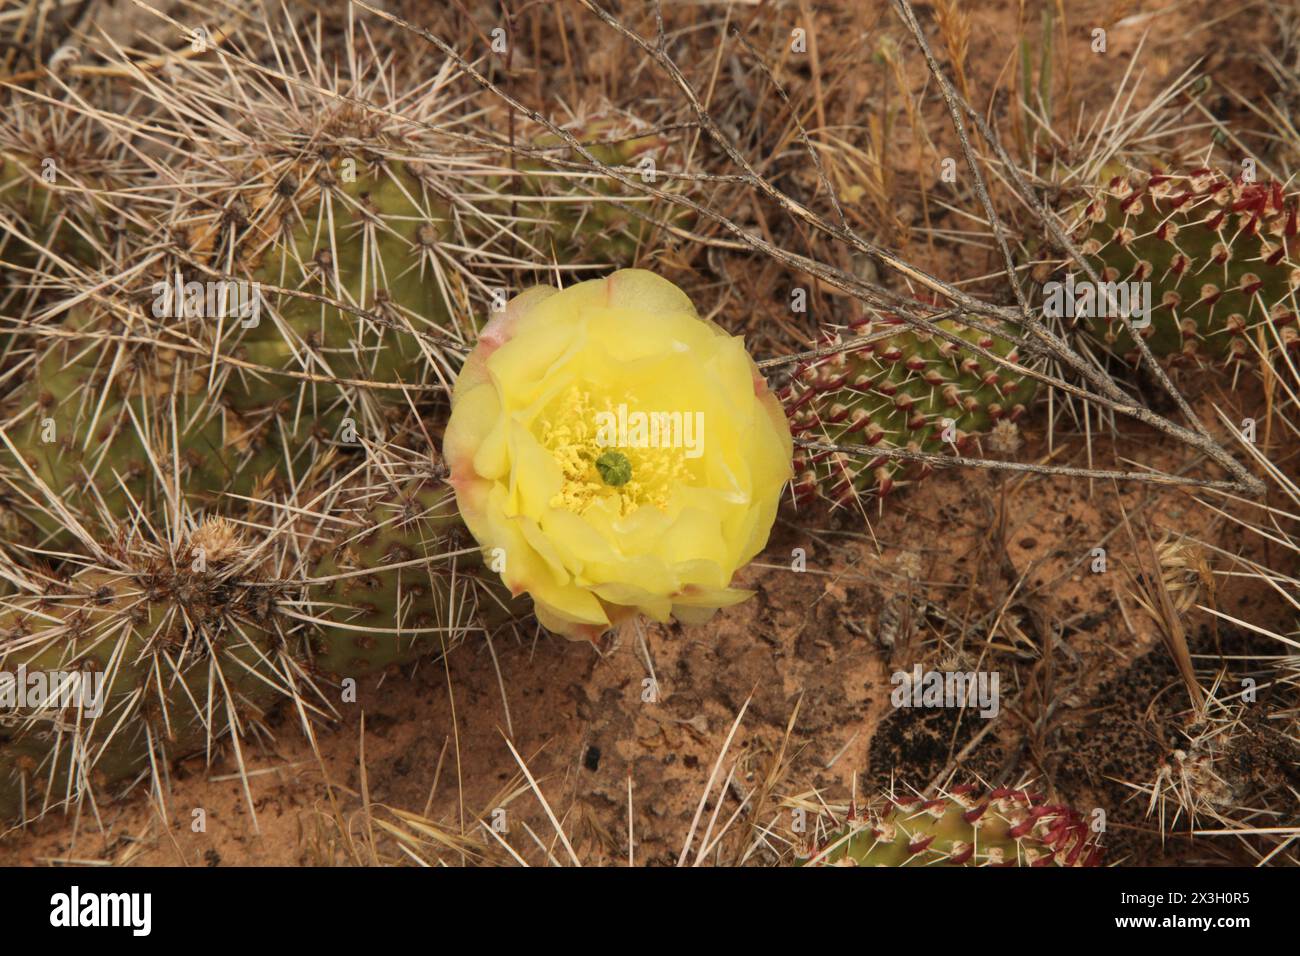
(568, 430)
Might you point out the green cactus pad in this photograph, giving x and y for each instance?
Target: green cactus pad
(910, 389)
(382, 595)
(573, 216)
(107, 426)
(1004, 828)
(1220, 254)
(183, 655)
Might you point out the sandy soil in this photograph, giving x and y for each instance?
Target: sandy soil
(965, 567)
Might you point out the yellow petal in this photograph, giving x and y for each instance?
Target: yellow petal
(475, 416)
(499, 330)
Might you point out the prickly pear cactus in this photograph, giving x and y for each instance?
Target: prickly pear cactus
(186, 649)
(909, 389)
(174, 394)
(251, 319)
(350, 239)
(961, 828)
(570, 216)
(195, 641)
(381, 602)
(1222, 257)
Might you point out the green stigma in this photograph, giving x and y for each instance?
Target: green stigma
(615, 470)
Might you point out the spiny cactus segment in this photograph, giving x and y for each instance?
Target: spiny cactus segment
(574, 215)
(1222, 256)
(159, 658)
(910, 389)
(961, 828)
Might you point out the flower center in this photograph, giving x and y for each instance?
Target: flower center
(628, 476)
(614, 468)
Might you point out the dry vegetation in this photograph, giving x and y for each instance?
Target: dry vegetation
(819, 162)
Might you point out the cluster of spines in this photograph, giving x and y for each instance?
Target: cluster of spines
(1005, 827)
(582, 214)
(187, 646)
(1220, 254)
(121, 425)
(909, 389)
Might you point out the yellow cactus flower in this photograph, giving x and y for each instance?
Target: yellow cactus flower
(614, 453)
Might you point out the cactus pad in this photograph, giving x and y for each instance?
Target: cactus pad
(1222, 256)
(1005, 828)
(910, 389)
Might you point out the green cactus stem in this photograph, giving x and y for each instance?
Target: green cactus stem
(910, 389)
(1220, 254)
(186, 650)
(574, 217)
(961, 828)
